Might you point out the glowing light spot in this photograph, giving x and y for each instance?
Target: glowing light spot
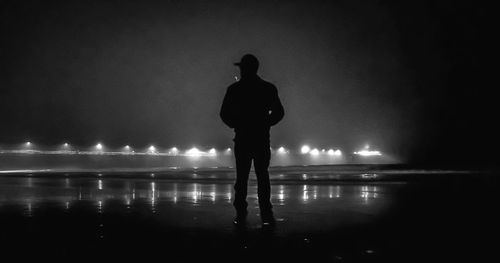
(305, 149)
(174, 151)
(65, 144)
(338, 152)
(331, 152)
(228, 149)
(152, 148)
(127, 147)
(212, 151)
(28, 143)
(368, 153)
(193, 152)
(281, 150)
(314, 152)
(98, 146)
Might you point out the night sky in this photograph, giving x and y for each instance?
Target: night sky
(407, 78)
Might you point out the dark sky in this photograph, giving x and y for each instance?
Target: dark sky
(407, 78)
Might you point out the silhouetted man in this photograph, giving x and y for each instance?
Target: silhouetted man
(251, 106)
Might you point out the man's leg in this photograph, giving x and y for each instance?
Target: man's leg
(261, 164)
(243, 164)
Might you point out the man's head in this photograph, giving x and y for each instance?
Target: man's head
(248, 64)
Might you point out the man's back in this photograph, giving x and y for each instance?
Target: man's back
(251, 106)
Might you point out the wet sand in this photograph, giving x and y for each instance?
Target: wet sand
(394, 216)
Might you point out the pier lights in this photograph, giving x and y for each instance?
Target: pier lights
(281, 150)
(174, 151)
(314, 152)
(194, 152)
(212, 152)
(227, 151)
(332, 152)
(152, 149)
(98, 147)
(127, 149)
(368, 153)
(305, 149)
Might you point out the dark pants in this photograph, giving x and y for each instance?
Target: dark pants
(261, 155)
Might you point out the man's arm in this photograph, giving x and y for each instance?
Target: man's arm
(277, 111)
(227, 110)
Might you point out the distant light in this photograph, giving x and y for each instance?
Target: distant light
(98, 146)
(228, 149)
(314, 152)
(193, 152)
(28, 143)
(174, 150)
(127, 147)
(367, 147)
(212, 151)
(368, 153)
(281, 150)
(152, 148)
(65, 144)
(332, 152)
(322, 150)
(305, 149)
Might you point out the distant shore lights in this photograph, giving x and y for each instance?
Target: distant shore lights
(305, 149)
(98, 146)
(367, 152)
(282, 150)
(212, 152)
(316, 152)
(152, 149)
(194, 152)
(174, 151)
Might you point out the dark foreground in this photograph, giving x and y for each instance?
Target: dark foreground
(419, 218)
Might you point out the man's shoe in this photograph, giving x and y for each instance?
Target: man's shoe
(268, 219)
(241, 218)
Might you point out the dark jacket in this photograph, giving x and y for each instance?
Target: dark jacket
(251, 106)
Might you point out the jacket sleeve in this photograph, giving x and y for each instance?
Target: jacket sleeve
(227, 112)
(276, 108)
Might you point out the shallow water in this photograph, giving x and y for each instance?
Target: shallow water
(92, 217)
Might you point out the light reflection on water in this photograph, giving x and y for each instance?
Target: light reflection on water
(28, 192)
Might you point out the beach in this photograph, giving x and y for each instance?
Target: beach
(332, 213)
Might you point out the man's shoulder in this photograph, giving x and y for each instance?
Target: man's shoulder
(233, 86)
(267, 84)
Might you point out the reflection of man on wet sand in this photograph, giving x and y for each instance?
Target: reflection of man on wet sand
(251, 106)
